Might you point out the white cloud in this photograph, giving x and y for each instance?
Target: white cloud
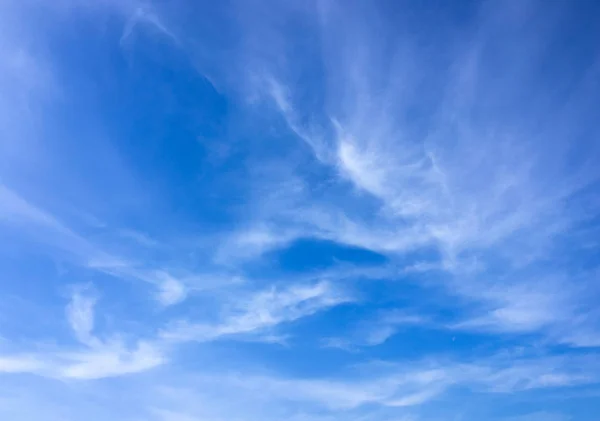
(378, 329)
(476, 184)
(80, 315)
(388, 325)
(559, 307)
(97, 358)
(16, 211)
(110, 359)
(143, 15)
(102, 358)
(259, 312)
(20, 364)
(172, 291)
(483, 192)
(280, 95)
(48, 230)
(470, 192)
(250, 243)
(393, 385)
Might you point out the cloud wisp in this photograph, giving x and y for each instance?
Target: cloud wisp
(261, 312)
(94, 358)
(306, 210)
(471, 184)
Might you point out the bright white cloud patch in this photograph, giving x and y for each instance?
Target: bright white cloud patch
(301, 210)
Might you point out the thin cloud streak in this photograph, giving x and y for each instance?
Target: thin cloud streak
(260, 312)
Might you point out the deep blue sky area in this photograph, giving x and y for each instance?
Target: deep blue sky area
(316, 210)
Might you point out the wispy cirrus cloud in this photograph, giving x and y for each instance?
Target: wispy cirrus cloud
(453, 145)
(142, 15)
(559, 307)
(378, 328)
(357, 395)
(113, 356)
(44, 228)
(381, 385)
(469, 185)
(95, 358)
(478, 191)
(260, 312)
(80, 315)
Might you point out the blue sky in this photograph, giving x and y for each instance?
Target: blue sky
(303, 210)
